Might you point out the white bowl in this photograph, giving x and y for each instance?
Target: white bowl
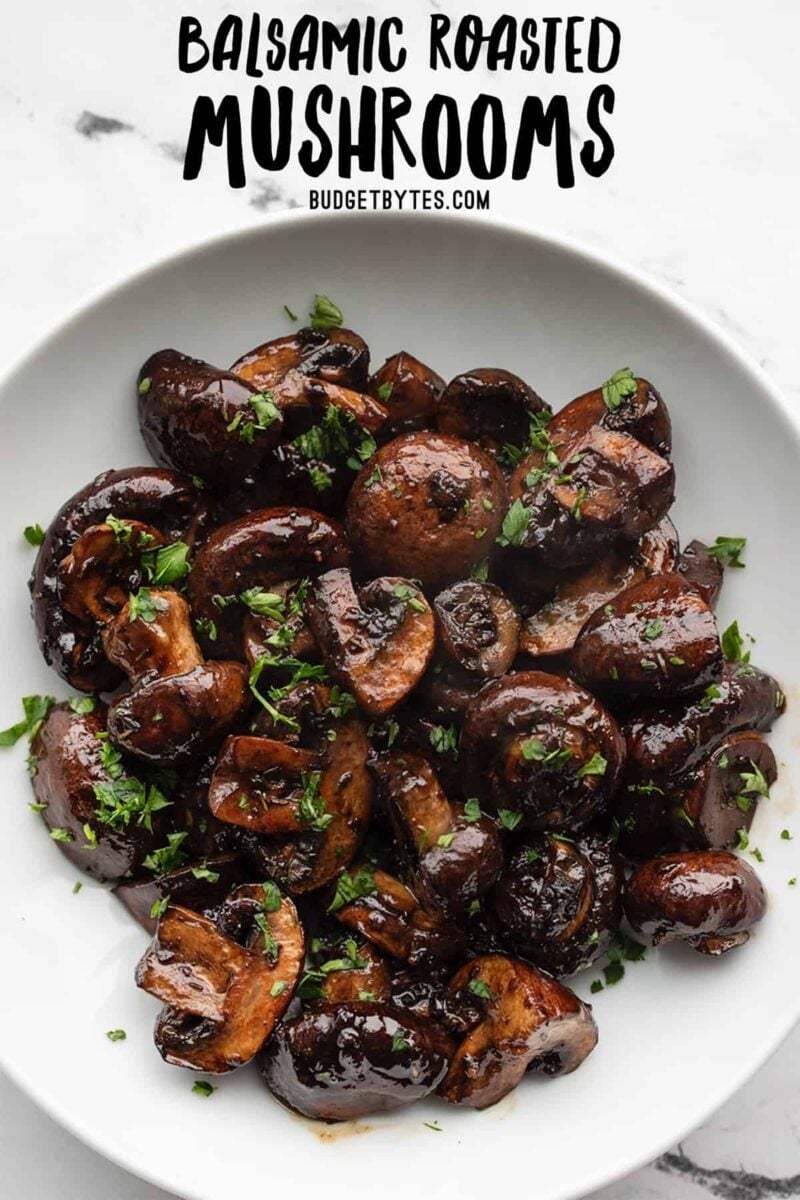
(681, 1032)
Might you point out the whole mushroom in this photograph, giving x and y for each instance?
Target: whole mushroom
(491, 407)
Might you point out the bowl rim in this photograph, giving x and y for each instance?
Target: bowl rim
(547, 238)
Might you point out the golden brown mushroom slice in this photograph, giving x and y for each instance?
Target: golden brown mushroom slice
(102, 567)
(529, 1022)
(260, 784)
(223, 999)
(337, 356)
(377, 642)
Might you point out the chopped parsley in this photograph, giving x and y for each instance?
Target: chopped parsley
(33, 534)
(266, 412)
(325, 314)
(35, 709)
(621, 386)
(385, 391)
(203, 1088)
(727, 550)
(291, 315)
(596, 765)
(653, 629)
(479, 988)
(159, 907)
(786, 835)
(411, 596)
(351, 887)
(445, 840)
(167, 858)
(742, 840)
(278, 987)
(61, 835)
(144, 385)
(472, 811)
(207, 626)
(166, 565)
(311, 805)
(712, 692)
(515, 525)
(116, 1035)
(204, 873)
(144, 606)
(444, 739)
(399, 1043)
(733, 644)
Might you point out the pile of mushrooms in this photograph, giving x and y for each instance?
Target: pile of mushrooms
(400, 704)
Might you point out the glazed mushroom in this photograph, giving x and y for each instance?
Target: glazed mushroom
(337, 356)
(602, 487)
(656, 639)
(377, 642)
(491, 407)
(165, 500)
(103, 566)
(178, 705)
(554, 627)
(388, 914)
(342, 971)
(541, 749)
(103, 819)
(410, 391)
(478, 627)
(708, 898)
(455, 853)
(201, 886)
(222, 999)
(265, 548)
(341, 1061)
(559, 903)
(199, 419)
(527, 1021)
(625, 404)
(702, 570)
(426, 506)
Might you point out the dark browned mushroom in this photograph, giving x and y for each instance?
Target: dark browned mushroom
(553, 628)
(559, 902)
(170, 502)
(426, 506)
(478, 627)
(626, 404)
(656, 639)
(336, 356)
(410, 391)
(222, 999)
(178, 704)
(708, 898)
(341, 1061)
(103, 566)
(103, 819)
(265, 548)
(200, 886)
(342, 970)
(455, 853)
(541, 750)
(376, 642)
(601, 487)
(527, 1021)
(199, 419)
(380, 908)
(491, 407)
(702, 570)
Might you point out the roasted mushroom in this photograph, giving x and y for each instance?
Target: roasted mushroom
(410, 391)
(702, 570)
(104, 820)
(426, 506)
(200, 886)
(103, 567)
(491, 407)
(455, 853)
(265, 548)
(624, 403)
(656, 639)
(199, 419)
(342, 970)
(541, 749)
(527, 1021)
(170, 502)
(336, 356)
(222, 999)
(178, 704)
(478, 627)
(341, 1061)
(376, 642)
(559, 902)
(708, 898)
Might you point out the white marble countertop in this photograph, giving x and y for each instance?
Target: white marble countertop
(704, 195)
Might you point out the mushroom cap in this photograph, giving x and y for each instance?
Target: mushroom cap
(102, 568)
(410, 390)
(702, 570)
(426, 506)
(489, 406)
(336, 356)
(528, 1021)
(643, 415)
(478, 627)
(200, 886)
(341, 1061)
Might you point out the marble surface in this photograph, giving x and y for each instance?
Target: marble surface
(704, 195)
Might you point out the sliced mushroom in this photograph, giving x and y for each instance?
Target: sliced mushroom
(704, 809)
(702, 570)
(426, 507)
(391, 916)
(656, 639)
(605, 486)
(554, 627)
(178, 704)
(456, 854)
(197, 418)
(376, 642)
(640, 412)
(103, 566)
(341, 1061)
(540, 746)
(559, 902)
(528, 1021)
(491, 407)
(708, 898)
(170, 502)
(200, 886)
(446, 693)
(265, 634)
(343, 971)
(410, 391)
(478, 627)
(336, 356)
(72, 770)
(261, 785)
(222, 999)
(262, 549)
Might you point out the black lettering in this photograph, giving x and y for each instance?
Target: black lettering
(277, 56)
(502, 44)
(252, 68)
(395, 105)
(320, 97)
(431, 129)
(483, 107)
(540, 124)
(303, 44)
(597, 164)
(189, 32)
(227, 44)
(391, 60)
(593, 53)
(272, 156)
(440, 26)
(530, 57)
(364, 148)
(217, 125)
(572, 52)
